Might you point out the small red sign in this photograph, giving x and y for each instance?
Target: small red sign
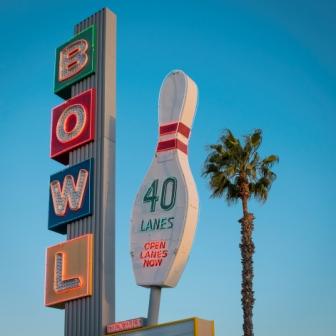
(125, 325)
(72, 125)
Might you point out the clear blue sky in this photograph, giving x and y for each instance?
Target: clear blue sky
(269, 65)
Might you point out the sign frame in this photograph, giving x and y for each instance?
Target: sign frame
(59, 223)
(77, 255)
(195, 325)
(63, 87)
(59, 151)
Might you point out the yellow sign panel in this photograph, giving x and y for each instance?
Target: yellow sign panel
(69, 271)
(189, 327)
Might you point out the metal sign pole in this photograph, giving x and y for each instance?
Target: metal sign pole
(89, 316)
(154, 306)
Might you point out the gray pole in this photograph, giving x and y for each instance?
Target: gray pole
(154, 305)
(89, 316)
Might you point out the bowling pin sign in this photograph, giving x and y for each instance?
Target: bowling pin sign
(165, 211)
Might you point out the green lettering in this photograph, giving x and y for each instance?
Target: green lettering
(149, 225)
(151, 195)
(156, 224)
(171, 223)
(170, 203)
(163, 223)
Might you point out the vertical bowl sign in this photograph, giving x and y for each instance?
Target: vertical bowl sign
(165, 211)
(69, 265)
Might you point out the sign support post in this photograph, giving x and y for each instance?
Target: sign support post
(89, 316)
(154, 305)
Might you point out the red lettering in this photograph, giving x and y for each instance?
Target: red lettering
(153, 253)
(152, 262)
(155, 245)
(124, 325)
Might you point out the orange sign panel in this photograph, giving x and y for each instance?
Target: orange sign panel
(69, 271)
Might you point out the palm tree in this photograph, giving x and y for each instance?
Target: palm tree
(237, 172)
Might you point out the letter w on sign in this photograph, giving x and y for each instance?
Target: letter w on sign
(71, 194)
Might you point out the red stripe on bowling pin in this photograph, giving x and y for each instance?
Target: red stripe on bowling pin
(175, 127)
(173, 143)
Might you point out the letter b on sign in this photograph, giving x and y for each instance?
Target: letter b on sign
(75, 60)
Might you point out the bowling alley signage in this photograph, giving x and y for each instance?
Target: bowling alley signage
(75, 60)
(72, 125)
(70, 195)
(69, 264)
(165, 211)
(69, 271)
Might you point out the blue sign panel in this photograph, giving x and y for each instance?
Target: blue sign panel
(70, 195)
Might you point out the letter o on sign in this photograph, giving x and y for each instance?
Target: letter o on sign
(71, 123)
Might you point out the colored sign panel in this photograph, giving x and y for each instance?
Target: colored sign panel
(188, 327)
(165, 211)
(70, 195)
(125, 325)
(72, 125)
(68, 271)
(75, 60)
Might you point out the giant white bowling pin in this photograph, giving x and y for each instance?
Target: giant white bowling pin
(165, 211)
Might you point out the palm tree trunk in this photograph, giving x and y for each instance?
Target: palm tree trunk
(247, 250)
